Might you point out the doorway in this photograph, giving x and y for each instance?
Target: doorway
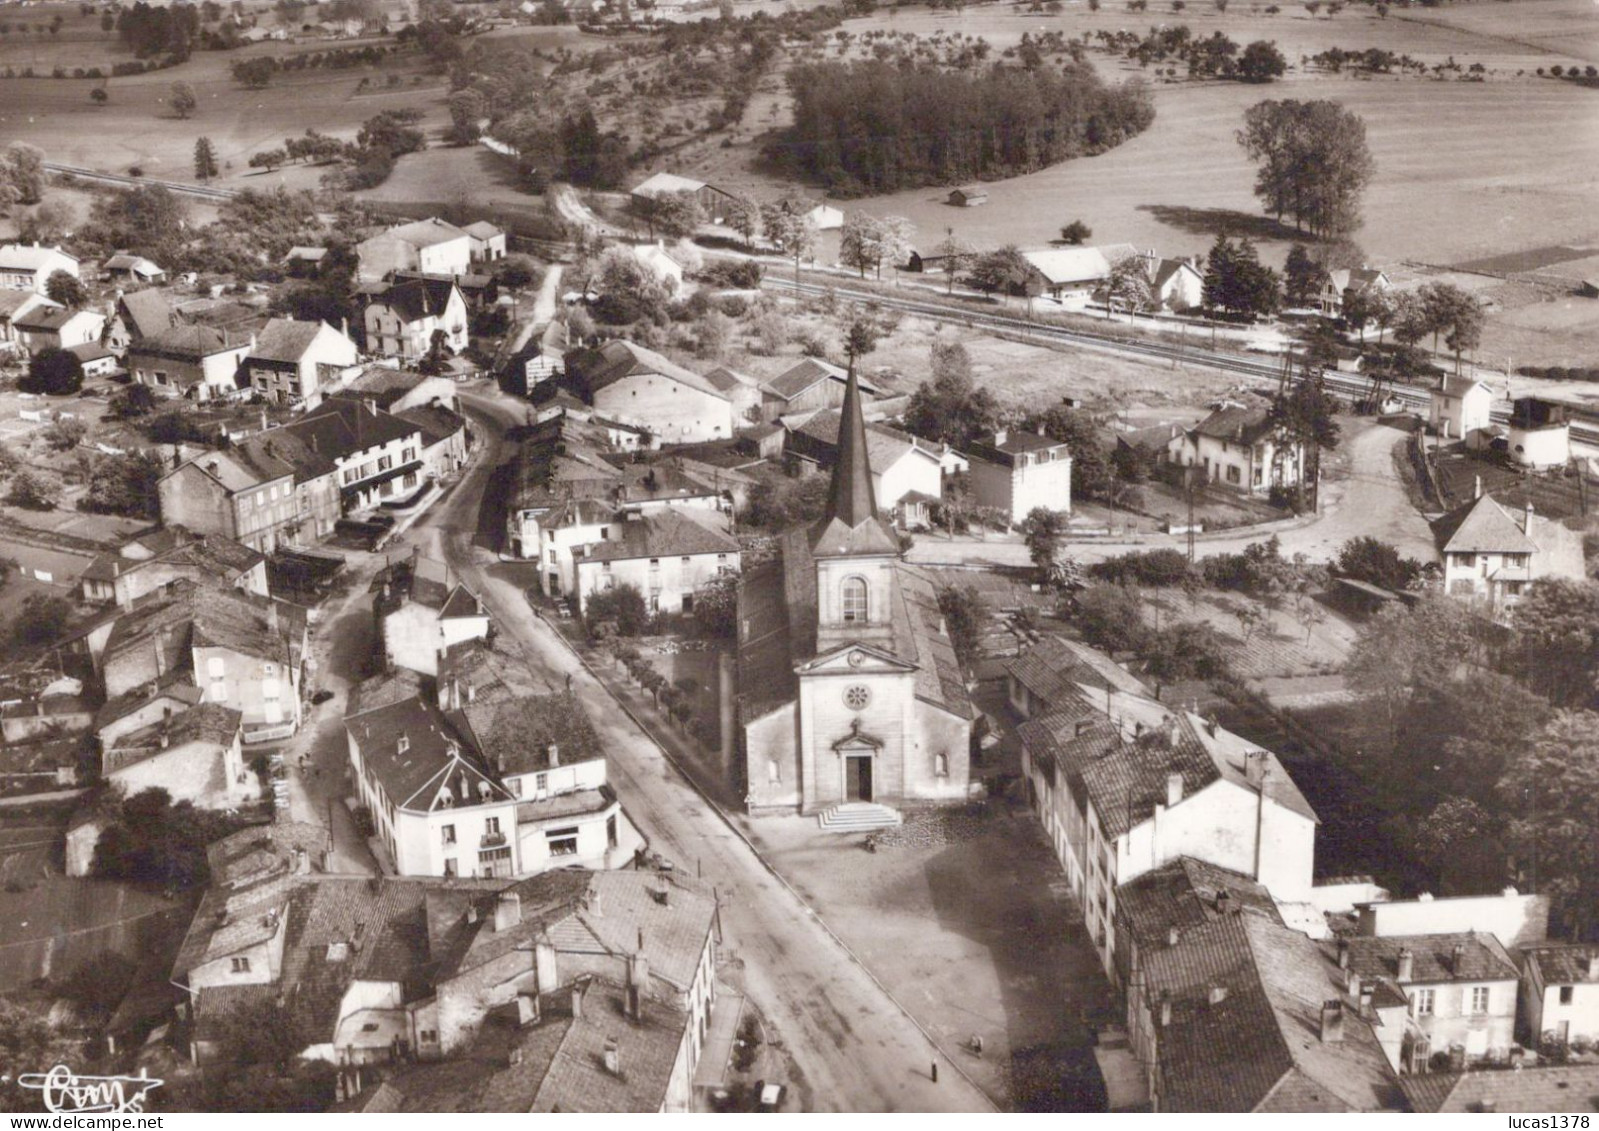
(858, 777)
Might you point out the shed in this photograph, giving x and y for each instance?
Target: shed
(968, 196)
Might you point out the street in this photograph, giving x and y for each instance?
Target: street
(855, 1050)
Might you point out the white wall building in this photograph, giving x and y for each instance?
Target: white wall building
(1017, 471)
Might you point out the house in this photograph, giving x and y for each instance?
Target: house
(562, 459)
(1515, 918)
(1240, 448)
(849, 692)
(907, 472)
(486, 779)
(968, 196)
(28, 267)
(245, 494)
(138, 314)
(420, 611)
(152, 561)
(16, 304)
(402, 318)
(825, 217)
(197, 363)
(711, 199)
(1122, 786)
(808, 385)
(394, 389)
(1533, 1091)
(662, 264)
(664, 555)
(1067, 272)
(1057, 675)
(1337, 286)
(488, 242)
(96, 359)
(1460, 990)
(1560, 994)
(478, 291)
(305, 260)
(1493, 555)
(430, 245)
(318, 505)
(126, 267)
(195, 756)
(742, 390)
(635, 385)
(50, 715)
(1176, 284)
(55, 327)
(376, 456)
(445, 439)
(560, 534)
(298, 362)
(143, 704)
(1540, 433)
(1242, 1014)
(1458, 407)
(1017, 471)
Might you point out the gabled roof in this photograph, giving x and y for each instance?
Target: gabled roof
(11, 301)
(209, 556)
(1563, 1088)
(617, 360)
(728, 380)
(1052, 672)
(125, 261)
(1238, 424)
(662, 183)
(146, 312)
(483, 230)
(1167, 268)
(414, 299)
(188, 343)
(1069, 264)
(211, 724)
(515, 733)
(341, 427)
(1184, 894)
(1481, 526)
(435, 422)
(409, 748)
(661, 534)
(1553, 963)
(1482, 958)
(30, 257)
(281, 447)
(286, 339)
(1453, 386)
(424, 233)
(50, 317)
(803, 375)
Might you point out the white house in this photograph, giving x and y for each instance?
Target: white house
(1493, 555)
(1016, 471)
(1540, 433)
(195, 756)
(1560, 993)
(377, 456)
(561, 535)
(297, 362)
(1338, 285)
(28, 267)
(196, 363)
(401, 318)
(54, 327)
(655, 259)
(1239, 447)
(1459, 407)
(432, 246)
(1176, 284)
(488, 241)
(638, 386)
(16, 304)
(907, 472)
(1122, 795)
(664, 555)
(421, 611)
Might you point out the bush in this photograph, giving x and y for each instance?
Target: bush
(65, 433)
(1111, 619)
(41, 621)
(1376, 563)
(1560, 372)
(734, 274)
(29, 490)
(734, 306)
(1161, 569)
(53, 372)
(622, 606)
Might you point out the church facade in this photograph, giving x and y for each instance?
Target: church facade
(849, 689)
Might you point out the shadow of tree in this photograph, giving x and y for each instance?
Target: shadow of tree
(1222, 221)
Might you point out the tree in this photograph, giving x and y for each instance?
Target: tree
(743, 215)
(1129, 287)
(716, 605)
(53, 372)
(205, 159)
(1557, 640)
(1185, 650)
(255, 74)
(41, 620)
(623, 606)
(22, 168)
(467, 110)
(1091, 470)
(148, 220)
(268, 159)
(791, 228)
(957, 256)
(1111, 618)
(1376, 563)
(860, 338)
(1314, 162)
(1459, 840)
(1307, 416)
(1551, 791)
(99, 982)
(1302, 277)
(67, 289)
(860, 242)
(49, 223)
(675, 215)
(1237, 282)
(182, 99)
(1404, 648)
(964, 613)
(951, 408)
(1042, 531)
(31, 491)
(126, 484)
(65, 433)
(1004, 270)
(1261, 62)
(99, 96)
(1076, 232)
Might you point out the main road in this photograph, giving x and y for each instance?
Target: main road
(854, 1048)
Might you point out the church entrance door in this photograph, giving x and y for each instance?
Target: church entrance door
(858, 777)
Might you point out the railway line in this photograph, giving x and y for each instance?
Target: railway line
(203, 192)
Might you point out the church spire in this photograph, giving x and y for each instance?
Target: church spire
(850, 498)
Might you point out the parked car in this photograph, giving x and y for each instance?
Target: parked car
(770, 1095)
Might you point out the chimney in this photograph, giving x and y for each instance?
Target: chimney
(507, 911)
(1476, 490)
(1171, 731)
(1457, 958)
(527, 1010)
(544, 965)
(1173, 936)
(1526, 522)
(272, 617)
(555, 754)
(1224, 898)
(1001, 436)
(1365, 1000)
(1332, 1021)
(1174, 794)
(613, 1057)
(1352, 983)
(1592, 966)
(1218, 994)
(1165, 1008)
(1343, 954)
(1040, 427)
(1407, 965)
(596, 909)
(638, 976)
(471, 912)
(579, 988)
(1255, 767)
(1488, 1105)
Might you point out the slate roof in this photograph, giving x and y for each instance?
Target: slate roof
(435, 422)
(209, 723)
(1560, 963)
(616, 360)
(1183, 894)
(801, 376)
(210, 556)
(1237, 424)
(187, 343)
(660, 534)
(431, 760)
(1566, 1088)
(1481, 526)
(414, 299)
(286, 340)
(1483, 958)
(516, 732)
(1004, 452)
(662, 183)
(1259, 1047)
(147, 312)
(340, 427)
(425, 233)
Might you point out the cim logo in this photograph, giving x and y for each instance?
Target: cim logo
(64, 1092)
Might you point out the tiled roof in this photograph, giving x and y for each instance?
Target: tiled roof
(665, 183)
(340, 427)
(410, 750)
(647, 1052)
(123, 261)
(147, 312)
(1561, 963)
(516, 732)
(414, 299)
(425, 233)
(384, 383)
(483, 230)
(1236, 424)
(1246, 996)
(209, 723)
(435, 422)
(179, 693)
(727, 379)
(188, 343)
(1565, 1088)
(1183, 894)
(244, 623)
(1051, 671)
(616, 360)
(1479, 526)
(229, 920)
(1482, 958)
(212, 557)
(661, 534)
(257, 851)
(285, 339)
(801, 376)
(241, 467)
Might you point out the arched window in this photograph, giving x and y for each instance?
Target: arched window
(854, 600)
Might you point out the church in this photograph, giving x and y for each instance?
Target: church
(848, 687)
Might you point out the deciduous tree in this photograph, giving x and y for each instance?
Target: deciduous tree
(67, 289)
(182, 99)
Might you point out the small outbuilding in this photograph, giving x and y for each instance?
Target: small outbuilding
(968, 196)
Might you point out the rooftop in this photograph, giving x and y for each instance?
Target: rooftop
(288, 340)
(660, 534)
(1569, 1088)
(526, 734)
(407, 745)
(30, 257)
(1471, 956)
(424, 233)
(616, 360)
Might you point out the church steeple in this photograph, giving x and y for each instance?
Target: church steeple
(850, 499)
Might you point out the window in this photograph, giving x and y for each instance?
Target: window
(516, 787)
(491, 825)
(1479, 999)
(241, 965)
(563, 842)
(857, 696)
(1233, 475)
(941, 765)
(1565, 994)
(655, 563)
(684, 560)
(385, 462)
(448, 832)
(1421, 1003)
(428, 1036)
(773, 773)
(552, 557)
(854, 605)
(449, 868)
(541, 782)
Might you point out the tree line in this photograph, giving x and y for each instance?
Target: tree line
(870, 127)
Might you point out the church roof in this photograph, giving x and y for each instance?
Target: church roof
(851, 524)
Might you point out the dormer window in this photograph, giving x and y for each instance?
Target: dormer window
(854, 603)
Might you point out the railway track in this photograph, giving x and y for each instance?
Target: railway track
(1584, 426)
(204, 192)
